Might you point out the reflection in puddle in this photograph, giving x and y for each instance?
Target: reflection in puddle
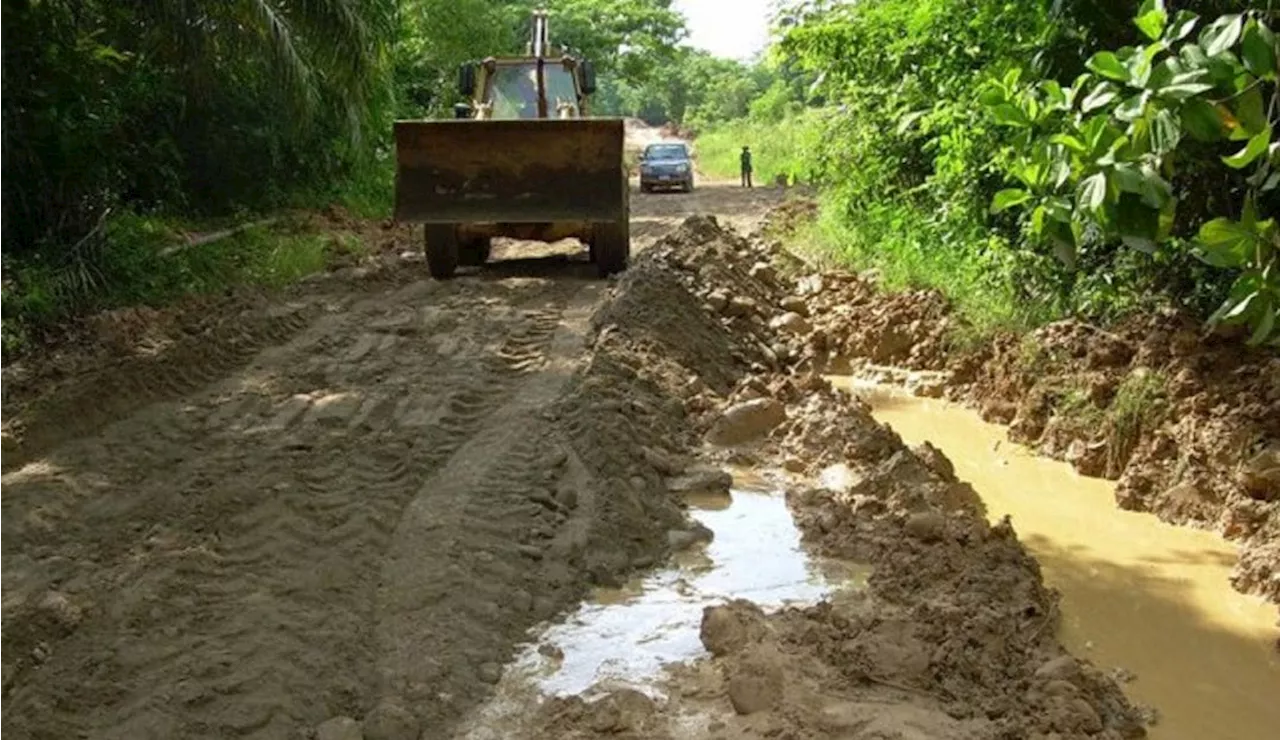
(623, 637)
(1137, 593)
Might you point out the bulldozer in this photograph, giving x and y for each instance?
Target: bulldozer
(521, 158)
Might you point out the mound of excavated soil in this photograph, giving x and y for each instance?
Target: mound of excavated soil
(954, 637)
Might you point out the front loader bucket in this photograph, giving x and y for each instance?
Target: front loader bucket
(510, 171)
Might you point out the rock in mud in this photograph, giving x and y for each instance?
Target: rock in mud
(791, 323)
(490, 673)
(624, 710)
(729, 628)
(339, 728)
(747, 421)
(680, 539)
(1260, 475)
(936, 461)
(795, 304)
(926, 526)
(755, 683)
(839, 478)
(390, 721)
(702, 479)
(764, 272)
(665, 462)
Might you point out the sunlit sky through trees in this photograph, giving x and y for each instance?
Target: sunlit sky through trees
(736, 29)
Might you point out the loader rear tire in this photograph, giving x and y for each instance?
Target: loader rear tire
(611, 246)
(475, 252)
(442, 250)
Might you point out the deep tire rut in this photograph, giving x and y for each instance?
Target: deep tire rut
(219, 554)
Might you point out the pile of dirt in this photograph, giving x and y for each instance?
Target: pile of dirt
(954, 638)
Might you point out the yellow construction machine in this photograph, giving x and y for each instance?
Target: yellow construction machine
(522, 159)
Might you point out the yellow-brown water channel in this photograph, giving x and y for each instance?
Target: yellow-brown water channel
(1150, 598)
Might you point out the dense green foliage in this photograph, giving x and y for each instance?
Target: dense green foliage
(911, 160)
(1033, 159)
(1099, 161)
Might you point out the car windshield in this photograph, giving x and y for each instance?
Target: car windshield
(666, 151)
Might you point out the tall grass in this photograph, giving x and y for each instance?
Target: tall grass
(133, 263)
(904, 246)
(776, 148)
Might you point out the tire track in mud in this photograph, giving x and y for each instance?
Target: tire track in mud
(234, 538)
(460, 576)
(82, 407)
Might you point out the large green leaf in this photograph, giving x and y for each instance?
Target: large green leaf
(1184, 22)
(992, 95)
(1131, 108)
(1265, 324)
(1092, 192)
(1070, 142)
(1138, 224)
(1107, 64)
(1183, 90)
(1009, 198)
(1222, 34)
(1152, 18)
(1256, 146)
(1244, 287)
(1010, 115)
(1100, 96)
(1165, 133)
(1251, 111)
(1225, 242)
(1259, 50)
(1202, 121)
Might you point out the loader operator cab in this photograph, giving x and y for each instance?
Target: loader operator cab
(506, 89)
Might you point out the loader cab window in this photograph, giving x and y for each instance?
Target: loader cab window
(562, 95)
(513, 90)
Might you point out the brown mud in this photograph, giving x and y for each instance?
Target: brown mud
(348, 530)
(953, 638)
(246, 516)
(1187, 422)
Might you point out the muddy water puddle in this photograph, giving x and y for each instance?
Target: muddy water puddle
(1150, 599)
(623, 638)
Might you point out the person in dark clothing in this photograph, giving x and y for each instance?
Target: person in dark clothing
(746, 166)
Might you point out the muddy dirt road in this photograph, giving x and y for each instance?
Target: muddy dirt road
(369, 489)
(336, 514)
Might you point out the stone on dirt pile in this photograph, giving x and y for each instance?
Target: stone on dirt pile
(700, 479)
(746, 422)
(1260, 475)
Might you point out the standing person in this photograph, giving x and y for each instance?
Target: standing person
(746, 166)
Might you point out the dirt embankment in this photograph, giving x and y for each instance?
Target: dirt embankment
(955, 636)
(1188, 424)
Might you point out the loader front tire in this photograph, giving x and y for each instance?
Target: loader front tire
(442, 250)
(475, 252)
(611, 246)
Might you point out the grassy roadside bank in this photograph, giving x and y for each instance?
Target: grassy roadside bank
(907, 245)
(153, 260)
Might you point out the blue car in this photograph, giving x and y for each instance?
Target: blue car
(667, 166)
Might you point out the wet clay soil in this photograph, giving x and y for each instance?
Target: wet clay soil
(348, 526)
(622, 638)
(1150, 599)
